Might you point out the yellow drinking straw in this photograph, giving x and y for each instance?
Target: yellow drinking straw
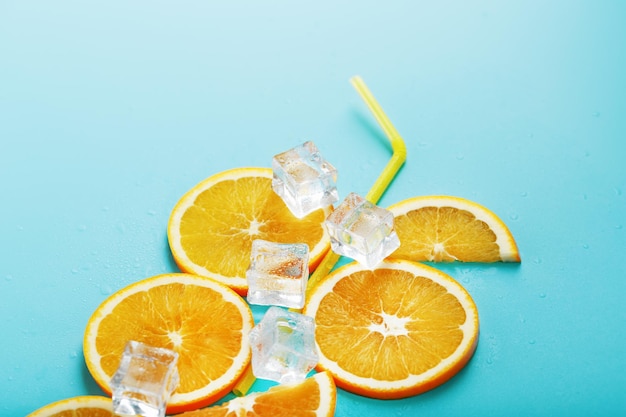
(382, 182)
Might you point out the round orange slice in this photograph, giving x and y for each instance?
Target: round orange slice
(83, 406)
(316, 396)
(204, 321)
(211, 228)
(444, 228)
(392, 332)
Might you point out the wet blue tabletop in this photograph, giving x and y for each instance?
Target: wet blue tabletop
(110, 111)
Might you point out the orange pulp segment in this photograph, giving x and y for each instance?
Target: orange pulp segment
(316, 396)
(392, 332)
(444, 229)
(83, 406)
(211, 228)
(205, 322)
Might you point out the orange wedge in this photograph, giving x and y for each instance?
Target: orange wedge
(84, 406)
(392, 332)
(444, 229)
(205, 322)
(211, 228)
(314, 397)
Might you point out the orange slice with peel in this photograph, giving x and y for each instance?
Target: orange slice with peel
(445, 228)
(83, 406)
(211, 228)
(204, 321)
(392, 332)
(316, 396)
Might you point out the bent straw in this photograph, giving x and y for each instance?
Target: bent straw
(378, 188)
(382, 182)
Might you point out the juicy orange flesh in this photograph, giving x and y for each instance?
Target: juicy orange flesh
(84, 412)
(444, 234)
(194, 321)
(388, 324)
(218, 230)
(300, 400)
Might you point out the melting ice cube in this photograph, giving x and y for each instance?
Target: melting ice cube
(278, 273)
(144, 381)
(362, 231)
(283, 346)
(304, 179)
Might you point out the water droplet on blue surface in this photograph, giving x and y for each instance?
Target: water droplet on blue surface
(542, 295)
(524, 194)
(514, 216)
(460, 157)
(531, 342)
(585, 246)
(537, 260)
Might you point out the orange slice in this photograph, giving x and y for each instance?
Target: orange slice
(392, 332)
(443, 228)
(315, 396)
(84, 406)
(205, 322)
(212, 227)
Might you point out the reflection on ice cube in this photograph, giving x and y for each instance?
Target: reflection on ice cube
(144, 381)
(283, 346)
(278, 273)
(362, 231)
(304, 179)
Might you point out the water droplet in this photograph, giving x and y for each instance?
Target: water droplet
(542, 295)
(151, 212)
(514, 216)
(105, 208)
(524, 194)
(618, 191)
(74, 271)
(537, 260)
(585, 246)
(8, 278)
(82, 228)
(460, 157)
(73, 354)
(531, 342)
(106, 290)
(489, 360)
(618, 226)
(596, 114)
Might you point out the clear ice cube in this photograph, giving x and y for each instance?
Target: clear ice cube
(283, 346)
(144, 380)
(278, 273)
(304, 179)
(362, 231)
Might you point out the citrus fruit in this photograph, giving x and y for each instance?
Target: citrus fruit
(83, 406)
(392, 332)
(315, 396)
(205, 322)
(211, 228)
(444, 228)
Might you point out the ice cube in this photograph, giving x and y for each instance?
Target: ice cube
(144, 380)
(283, 346)
(362, 231)
(304, 179)
(278, 273)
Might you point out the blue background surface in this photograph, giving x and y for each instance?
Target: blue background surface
(110, 111)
